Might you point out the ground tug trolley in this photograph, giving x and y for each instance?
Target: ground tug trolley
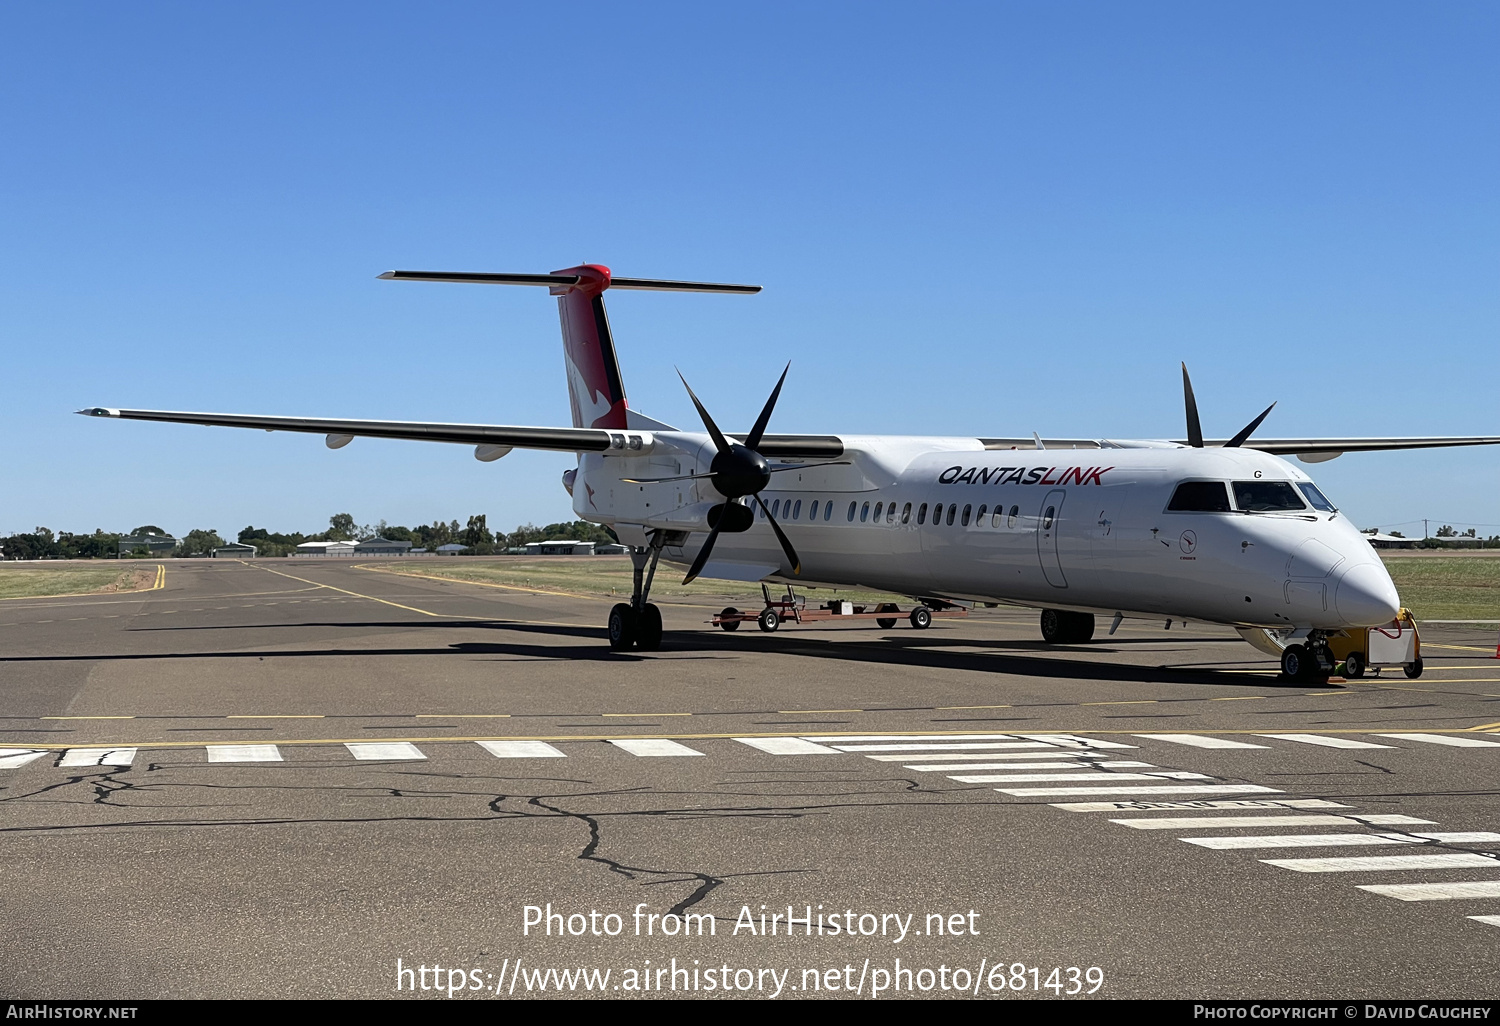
(793, 607)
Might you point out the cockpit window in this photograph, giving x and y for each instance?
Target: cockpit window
(1200, 497)
(1318, 499)
(1267, 497)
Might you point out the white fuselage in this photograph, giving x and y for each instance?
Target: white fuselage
(1083, 529)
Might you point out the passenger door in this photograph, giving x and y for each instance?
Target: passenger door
(1048, 525)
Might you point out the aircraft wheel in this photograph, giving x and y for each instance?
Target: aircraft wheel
(729, 625)
(1414, 670)
(648, 629)
(886, 623)
(1297, 663)
(622, 627)
(768, 620)
(1063, 628)
(921, 618)
(1354, 665)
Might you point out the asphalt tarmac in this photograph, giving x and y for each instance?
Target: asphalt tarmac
(277, 779)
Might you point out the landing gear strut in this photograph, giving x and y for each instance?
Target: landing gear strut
(637, 623)
(1311, 661)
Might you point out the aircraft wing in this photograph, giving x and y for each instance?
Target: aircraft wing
(1331, 447)
(556, 439)
(560, 439)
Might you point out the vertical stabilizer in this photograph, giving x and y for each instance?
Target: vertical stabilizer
(595, 390)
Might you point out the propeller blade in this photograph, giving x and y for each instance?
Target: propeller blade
(708, 546)
(1194, 428)
(786, 545)
(720, 442)
(1245, 432)
(752, 441)
(662, 480)
(809, 466)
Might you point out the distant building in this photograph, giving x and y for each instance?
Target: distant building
(610, 550)
(155, 544)
(382, 547)
(1391, 541)
(326, 548)
(451, 549)
(235, 550)
(560, 547)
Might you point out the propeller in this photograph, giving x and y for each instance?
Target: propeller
(1195, 428)
(739, 472)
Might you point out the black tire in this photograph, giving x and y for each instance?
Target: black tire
(1297, 663)
(648, 629)
(768, 620)
(1414, 670)
(729, 625)
(1053, 632)
(1354, 665)
(1082, 627)
(622, 627)
(921, 618)
(885, 624)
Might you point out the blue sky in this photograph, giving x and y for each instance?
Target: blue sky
(969, 219)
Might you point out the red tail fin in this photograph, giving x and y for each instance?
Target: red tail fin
(595, 390)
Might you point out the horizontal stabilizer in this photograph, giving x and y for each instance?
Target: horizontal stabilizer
(565, 280)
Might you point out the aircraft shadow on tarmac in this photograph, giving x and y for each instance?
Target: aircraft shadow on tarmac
(928, 651)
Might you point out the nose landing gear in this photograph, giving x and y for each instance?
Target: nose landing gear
(1311, 661)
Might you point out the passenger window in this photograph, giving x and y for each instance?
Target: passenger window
(878, 507)
(995, 520)
(937, 514)
(775, 507)
(906, 513)
(966, 515)
(978, 517)
(1267, 497)
(812, 511)
(1318, 499)
(828, 510)
(797, 509)
(1047, 518)
(922, 514)
(852, 507)
(952, 509)
(864, 512)
(890, 513)
(1010, 521)
(1200, 497)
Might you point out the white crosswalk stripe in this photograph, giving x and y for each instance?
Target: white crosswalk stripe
(1372, 863)
(859, 738)
(939, 767)
(1452, 740)
(1201, 804)
(652, 747)
(15, 758)
(785, 746)
(1294, 819)
(1034, 778)
(923, 746)
(1061, 758)
(1062, 792)
(1075, 740)
(98, 757)
(1487, 920)
(1436, 891)
(1462, 837)
(520, 749)
(380, 751)
(1199, 741)
(1299, 841)
(1325, 741)
(244, 753)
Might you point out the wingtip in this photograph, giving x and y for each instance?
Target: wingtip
(387, 275)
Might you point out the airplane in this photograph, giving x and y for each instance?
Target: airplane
(1218, 531)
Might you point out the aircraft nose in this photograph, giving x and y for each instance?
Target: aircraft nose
(1366, 597)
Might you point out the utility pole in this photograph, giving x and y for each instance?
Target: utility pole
(1424, 529)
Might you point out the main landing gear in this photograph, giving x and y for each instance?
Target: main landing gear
(637, 623)
(1060, 627)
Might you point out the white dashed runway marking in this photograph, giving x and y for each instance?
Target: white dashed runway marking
(653, 747)
(521, 749)
(1325, 740)
(243, 753)
(1199, 741)
(382, 751)
(98, 757)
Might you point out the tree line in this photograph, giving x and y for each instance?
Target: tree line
(476, 536)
